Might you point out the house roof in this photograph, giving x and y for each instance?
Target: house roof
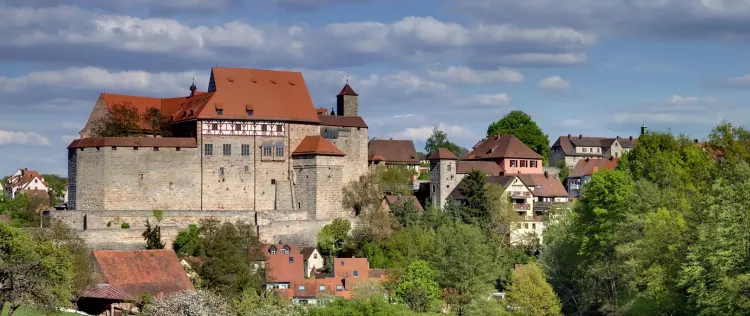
(489, 167)
(342, 121)
(107, 292)
(307, 252)
(545, 185)
(183, 142)
(442, 154)
(375, 157)
(316, 145)
(157, 272)
(166, 106)
(26, 177)
(394, 151)
(347, 90)
(587, 167)
(397, 199)
(569, 143)
(502, 146)
(321, 111)
(279, 268)
(345, 267)
(502, 181)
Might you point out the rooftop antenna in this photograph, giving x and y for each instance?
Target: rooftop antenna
(347, 79)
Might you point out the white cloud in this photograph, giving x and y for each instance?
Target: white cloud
(22, 138)
(471, 76)
(554, 83)
(488, 100)
(424, 132)
(67, 139)
(676, 110)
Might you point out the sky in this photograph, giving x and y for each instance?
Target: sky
(590, 67)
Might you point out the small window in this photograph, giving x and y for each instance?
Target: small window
(513, 163)
(177, 149)
(339, 288)
(279, 151)
(219, 112)
(526, 225)
(114, 147)
(322, 288)
(208, 149)
(301, 288)
(267, 151)
(286, 251)
(291, 259)
(449, 167)
(273, 251)
(249, 112)
(263, 128)
(245, 148)
(523, 163)
(221, 171)
(278, 128)
(585, 149)
(237, 127)
(156, 148)
(214, 127)
(273, 181)
(342, 262)
(532, 164)
(533, 225)
(315, 256)
(247, 168)
(227, 149)
(36, 181)
(356, 273)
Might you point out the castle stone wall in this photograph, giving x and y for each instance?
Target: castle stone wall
(353, 142)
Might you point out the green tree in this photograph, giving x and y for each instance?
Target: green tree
(439, 139)
(152, 235)
(33, 273)
(334, 236)
(564, 170)
(477, 209)
(188, 242)
(531, 294)
(406, 213)
(520, 125)
(122, 120)
(156, 122)
(395, 180)
(417, 287)
(363, 194)
(57, 186)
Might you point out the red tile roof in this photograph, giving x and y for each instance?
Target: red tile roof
(587, 167)
(157, 272)
(345, 267)
(25, 178)
(502, 146)
(342, 121)
(316, 145)
(489, 167)
(347, 90)
(107, 292)
(375, 157)
(393, 199)
(279, 267)
(394, 151)
(321, 111)
(134, 142)
(443, 154)
(545, 185)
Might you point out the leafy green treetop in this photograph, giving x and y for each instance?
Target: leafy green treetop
(439, 139)
(520, 125)
(417, 287)
(529, 293)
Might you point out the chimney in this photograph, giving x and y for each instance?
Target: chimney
(568, 135)
(279, 241)
(580, 136)
(631, 138)
(391, 138)
(618, 137)
(546, 174)
(587, 159)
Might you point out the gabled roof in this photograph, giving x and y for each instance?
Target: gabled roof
(157, 272)
(442, 154)
(107, 292)
(545, 185)
(342, 121)
(489, 167)
(502, 181)
(394, 199)
(588, 166)
(502, 146)
(569, 143)
(394, 151)
(347, 90)
(316, 145)
(279, 268)
(307, 252)
(166, 106)
(25, 177)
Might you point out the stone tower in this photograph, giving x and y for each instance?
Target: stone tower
(443, 178)
(347, 102)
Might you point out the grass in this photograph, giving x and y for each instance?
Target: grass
(23, 311)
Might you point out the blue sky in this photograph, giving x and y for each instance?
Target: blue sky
(596, 68)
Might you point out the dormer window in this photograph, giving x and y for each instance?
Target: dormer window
(249, 112)
(291, 259)
(219, 112)
(286, 250)
(249, 109)
(272, 251)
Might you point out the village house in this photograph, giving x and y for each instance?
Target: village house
(392, 200)
(26, 181)
(583, 170)
(284, 265)
(127, 275)
(393, 152)
(572, 149)
(313, 260)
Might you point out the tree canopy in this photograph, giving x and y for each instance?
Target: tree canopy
(123, 120)
(520, 125)
(439, 139)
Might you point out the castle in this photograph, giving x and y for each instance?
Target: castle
(251, 147)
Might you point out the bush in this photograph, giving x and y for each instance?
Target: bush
(124, 225)
(189, 303)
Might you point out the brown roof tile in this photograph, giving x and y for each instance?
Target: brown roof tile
(279, 266)
(157, 272)
(393, 199)
(394, 151)
(108, 292)
(316, 145)
(502, 146)
(569, 143)
(489, 167)
(183, 142)
(347, 90)
(167, 106)
(587, 167)
(342, 121)
(443, 154)
(545, 185)
(345, 267)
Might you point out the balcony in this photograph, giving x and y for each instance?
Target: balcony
(523, 206)
(519, 194)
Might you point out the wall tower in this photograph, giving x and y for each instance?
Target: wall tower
(347, 102)
(443, 178)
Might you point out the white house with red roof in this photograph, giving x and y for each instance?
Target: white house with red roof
(25, 181)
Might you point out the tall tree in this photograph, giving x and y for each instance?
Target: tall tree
(531, 294)
(152, 235)
(334, 236)
(417, 287)
(520, 125)
(364, 193)
(122, 120)
(439, 139)
(156, 122)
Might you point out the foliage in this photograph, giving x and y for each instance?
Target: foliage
(23, 210)
(33, 273)
(531, 294)
(333, 237)
(57, 186)
(439, 139)
(152, 235)
(406, 213)
(395, 180)
(189, 303)
(188, 242)
(375, 306)
(156, 122)
(226, 269)
(417, 287)
(520, 125)
(267, 303)
(368, 289)
(564, 172)
(121, 121)
(125, 225)
(363, 194)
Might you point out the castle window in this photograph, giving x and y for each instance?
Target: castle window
(585, 149)
(279, 149)
(247, 168)
(273, 181)
(177, 149)
(237, 127)
(245, 148)
(227, 149)
(267, 151)
(221, 171)
(208, 149)
(156, 148)
(214, 127)
(449, 167)
(114, 147)
(532, 164)
(278, 128)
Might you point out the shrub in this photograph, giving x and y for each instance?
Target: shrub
(124, 225)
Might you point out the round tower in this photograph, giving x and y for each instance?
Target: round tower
(442, 176)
